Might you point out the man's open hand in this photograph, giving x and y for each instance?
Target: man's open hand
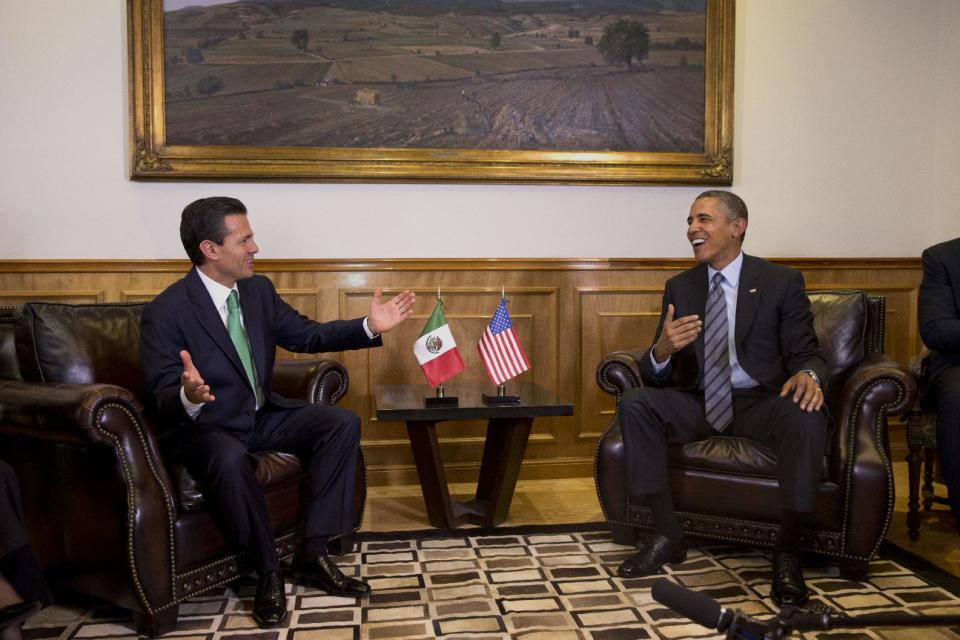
(676, 334)
(194, 388)
(386, 315)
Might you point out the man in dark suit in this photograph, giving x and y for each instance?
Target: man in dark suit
(207, 347)
(939, 316)
(735, 353)
(23, 589)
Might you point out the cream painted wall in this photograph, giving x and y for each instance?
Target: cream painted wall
(947, 157)
(846, 138)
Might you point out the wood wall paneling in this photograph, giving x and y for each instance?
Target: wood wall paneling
(568, 314)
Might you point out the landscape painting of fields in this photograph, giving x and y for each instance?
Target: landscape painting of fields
(517, 75)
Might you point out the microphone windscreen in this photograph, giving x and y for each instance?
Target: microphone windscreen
(699, 607)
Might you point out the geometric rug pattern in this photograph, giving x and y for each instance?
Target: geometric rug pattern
(530, 584)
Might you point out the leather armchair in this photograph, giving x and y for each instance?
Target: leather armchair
(107, 516)
(725, 488)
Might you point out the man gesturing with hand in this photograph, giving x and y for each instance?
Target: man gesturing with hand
(735, 354)
(207, 346)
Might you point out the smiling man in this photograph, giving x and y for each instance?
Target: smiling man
(207, 347)
(735, 354)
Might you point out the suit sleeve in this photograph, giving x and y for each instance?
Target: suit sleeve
(936, 310)
(798, 340)
(298, 333)
(160, 346)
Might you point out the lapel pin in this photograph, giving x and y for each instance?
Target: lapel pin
(753, 290)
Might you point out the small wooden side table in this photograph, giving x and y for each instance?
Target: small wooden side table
(508, 429)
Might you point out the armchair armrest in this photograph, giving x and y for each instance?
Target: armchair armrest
(620, 371)
(111, 455)
(878, 381)
(877, 388)
(316, 381)
(67, 413)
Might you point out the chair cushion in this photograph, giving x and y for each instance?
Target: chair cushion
(274, 469)
(726, 454)
(81, 344)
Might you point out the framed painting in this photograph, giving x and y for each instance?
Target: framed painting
(529, 91)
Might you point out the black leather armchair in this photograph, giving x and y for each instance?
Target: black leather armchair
(107, 516)
(726, 488)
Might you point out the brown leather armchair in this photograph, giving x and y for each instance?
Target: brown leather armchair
(726, 488)
(107, 516)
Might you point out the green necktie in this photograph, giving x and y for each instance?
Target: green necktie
(238, 336)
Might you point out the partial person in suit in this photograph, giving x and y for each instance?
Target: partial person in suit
(207, 347)
(939, 316)
(23, 589)
(735, 353)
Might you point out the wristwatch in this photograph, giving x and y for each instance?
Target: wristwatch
(812, 374)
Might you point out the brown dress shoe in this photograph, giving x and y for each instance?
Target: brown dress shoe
(270, 602)
(658, 551)
(788, 586)
(320, 571)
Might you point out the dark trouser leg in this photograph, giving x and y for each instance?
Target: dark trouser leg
(799, 438)
(946, 386)
(650, 420)
(18, 562)
(326, 440)
(226, 471)
(21, 569)
(12, 534)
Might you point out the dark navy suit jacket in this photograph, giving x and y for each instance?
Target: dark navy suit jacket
(184, 317)
(938, 308)
(774, 334)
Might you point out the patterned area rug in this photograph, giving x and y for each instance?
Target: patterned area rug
(533, 583)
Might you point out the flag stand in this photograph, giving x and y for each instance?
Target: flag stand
(501, 397)
(441, 399)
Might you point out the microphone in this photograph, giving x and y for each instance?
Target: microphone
(697, 606)
(707, 612)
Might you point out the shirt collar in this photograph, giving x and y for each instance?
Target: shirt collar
(217, 291)
(731, 272)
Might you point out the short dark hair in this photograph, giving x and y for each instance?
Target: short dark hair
(733, 205)
(203, 220)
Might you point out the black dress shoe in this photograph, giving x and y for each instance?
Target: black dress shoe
(658, 551)
(320, 571)
(270, 603)
(788, 585)
(17, 613)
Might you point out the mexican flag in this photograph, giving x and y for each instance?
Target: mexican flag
(436, 350)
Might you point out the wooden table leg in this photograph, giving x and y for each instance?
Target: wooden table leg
(913, 489)
(502, 455)
(433, 478)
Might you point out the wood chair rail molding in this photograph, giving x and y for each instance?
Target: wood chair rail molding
(433, 264)
(568, 312)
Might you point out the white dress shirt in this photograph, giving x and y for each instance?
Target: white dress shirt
(219, 294)
(730, 285)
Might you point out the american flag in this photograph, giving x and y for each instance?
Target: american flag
(499, 348)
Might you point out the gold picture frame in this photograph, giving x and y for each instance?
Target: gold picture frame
(154, 157)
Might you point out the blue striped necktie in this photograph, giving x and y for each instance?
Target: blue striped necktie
(717, 388)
